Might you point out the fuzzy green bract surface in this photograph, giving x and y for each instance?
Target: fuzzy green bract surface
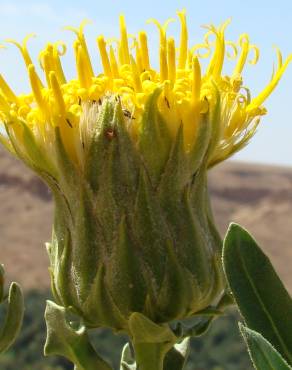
(134, 232)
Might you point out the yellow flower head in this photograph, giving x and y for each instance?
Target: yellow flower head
(185, 93)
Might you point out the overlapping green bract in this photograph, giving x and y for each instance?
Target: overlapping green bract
(134, 232)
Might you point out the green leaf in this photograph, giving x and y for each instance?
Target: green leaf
(13, 319)
(263, 354)
(70, 341)
(262, 299)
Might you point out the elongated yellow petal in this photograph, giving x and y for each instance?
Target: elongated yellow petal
(37, 89)
(171, 59)
(183, 50)
(144, 50)
(104, 56)
(124, 41)
(258, 101)
(196, 87)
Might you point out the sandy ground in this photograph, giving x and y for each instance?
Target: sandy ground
(257, 197)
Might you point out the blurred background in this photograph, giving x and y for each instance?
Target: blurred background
(254, 189)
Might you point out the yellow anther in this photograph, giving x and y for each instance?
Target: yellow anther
(124, 41)
(58, 96)
(171, 59)
(37, 89)
(6, 90)
(144, 50)
(183, 49)
(104, 56)
(114, 64)
(196, 85)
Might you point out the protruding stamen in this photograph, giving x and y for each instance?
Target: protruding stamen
(47, 67)
(196, 86)
(57, 62)
(9, 94)
(139, 58)
(23, 48)
(84, 75)
(49, 59)
(136, 76)
(144, 50)
(256, 54)
(80, 37)
(244, 43)
(4, 105)
(256, 102)
(37, 89)
(171, 59)
(114, 64)
(162, 29)
(24, 52)
(104, 56)
(183, 50)
(163, 64)
(57, 94)
(216, 64)
(124, 41)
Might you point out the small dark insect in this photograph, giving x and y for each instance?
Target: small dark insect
(83, 145)
(93, 101)
(110, 134)
(69, 123)
(128, 114)
(99, 101)
(167, 102)
(79, 100)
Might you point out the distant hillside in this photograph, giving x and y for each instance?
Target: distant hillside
(257, 197)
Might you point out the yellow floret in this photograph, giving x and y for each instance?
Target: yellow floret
(187, 92)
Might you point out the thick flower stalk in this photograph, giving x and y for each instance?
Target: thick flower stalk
(126, 153)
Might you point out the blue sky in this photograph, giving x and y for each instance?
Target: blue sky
(268, 23)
